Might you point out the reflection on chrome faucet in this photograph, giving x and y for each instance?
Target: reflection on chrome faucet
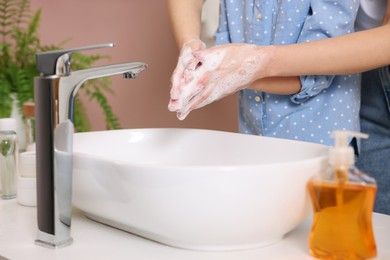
(54, 94)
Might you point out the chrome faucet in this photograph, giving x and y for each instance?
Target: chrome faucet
(54, 94)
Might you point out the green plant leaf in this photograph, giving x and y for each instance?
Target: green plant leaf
(5, 100)
(19, 42)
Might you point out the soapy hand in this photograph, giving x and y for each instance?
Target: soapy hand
(213, 74)
(187, 61)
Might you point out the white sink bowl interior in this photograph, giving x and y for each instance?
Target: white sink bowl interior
(193, 188)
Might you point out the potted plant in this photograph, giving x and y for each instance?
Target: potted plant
(19, 42)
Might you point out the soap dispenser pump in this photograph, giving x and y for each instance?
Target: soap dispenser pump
(343, 200)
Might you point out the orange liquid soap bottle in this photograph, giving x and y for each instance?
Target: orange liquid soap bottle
(343, 200)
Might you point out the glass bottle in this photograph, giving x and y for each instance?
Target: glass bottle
(9, 151)
(343, 200)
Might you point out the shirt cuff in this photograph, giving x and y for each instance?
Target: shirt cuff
(311, 86)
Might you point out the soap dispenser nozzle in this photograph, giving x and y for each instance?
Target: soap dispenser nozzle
(342, 154)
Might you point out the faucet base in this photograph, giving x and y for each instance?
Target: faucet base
(53, 242)
(52, 245)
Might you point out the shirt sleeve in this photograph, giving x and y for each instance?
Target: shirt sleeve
(222, 34)
(326, 19)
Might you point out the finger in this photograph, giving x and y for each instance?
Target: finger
(174, 105)
(204, 79)
(182, 76)
(193, 64)
(188, 92)
(177, 78)
(196, 87)
(181, 92)
(200, 92)
(188, 88)
(194, 103)
(177, 75)
(182, 116)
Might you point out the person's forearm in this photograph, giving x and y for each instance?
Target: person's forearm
(347, 54)
(185, 16)
(352, 53)
(278, 85)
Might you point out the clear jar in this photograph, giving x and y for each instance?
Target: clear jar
(9, 151)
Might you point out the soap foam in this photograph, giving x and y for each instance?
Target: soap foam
(213, 79)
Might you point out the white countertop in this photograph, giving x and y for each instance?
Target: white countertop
(97, 241)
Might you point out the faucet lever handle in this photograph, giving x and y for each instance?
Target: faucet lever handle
(57, 62)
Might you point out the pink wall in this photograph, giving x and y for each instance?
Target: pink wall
(141, 31)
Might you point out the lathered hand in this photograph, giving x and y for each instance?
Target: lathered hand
(187, 62)
(219, 71)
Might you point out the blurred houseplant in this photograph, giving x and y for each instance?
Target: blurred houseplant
(19, 42)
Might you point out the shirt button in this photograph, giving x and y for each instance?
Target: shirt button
(259, 16)
(257, 98)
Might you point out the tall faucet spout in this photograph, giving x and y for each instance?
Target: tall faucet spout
(70, 85)
(54, 93)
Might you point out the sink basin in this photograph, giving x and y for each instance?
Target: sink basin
(193, 188)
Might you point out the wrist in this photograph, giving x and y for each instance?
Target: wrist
(268, 58)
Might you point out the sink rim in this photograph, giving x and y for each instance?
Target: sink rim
(227, 165)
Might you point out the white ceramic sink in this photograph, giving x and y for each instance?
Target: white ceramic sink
(195, 189)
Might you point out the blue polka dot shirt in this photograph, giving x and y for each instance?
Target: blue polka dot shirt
(324, 103)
